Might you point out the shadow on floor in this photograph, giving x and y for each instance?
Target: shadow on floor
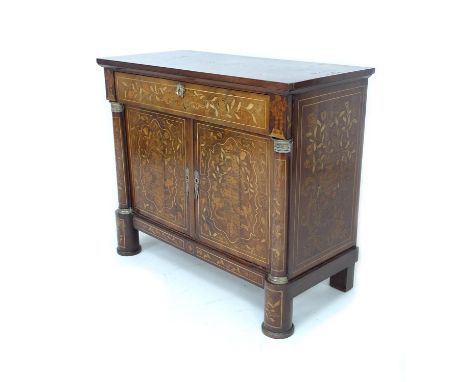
(310, 308)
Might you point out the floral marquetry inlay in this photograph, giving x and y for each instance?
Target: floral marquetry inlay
(256, 278)
(328, 164)
(121, 232)
(278, 216)
(274, 308)
(229, 106)
(234, 191)
(157, 163)
(159, 233)
(278, 108)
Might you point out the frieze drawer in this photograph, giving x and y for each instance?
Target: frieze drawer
(245, 110)
(249, 164)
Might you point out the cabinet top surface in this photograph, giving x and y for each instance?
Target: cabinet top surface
(254, 71)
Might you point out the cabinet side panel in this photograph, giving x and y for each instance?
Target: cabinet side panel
(328, 133)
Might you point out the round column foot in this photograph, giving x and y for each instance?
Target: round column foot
(278, 335)
(122, 252)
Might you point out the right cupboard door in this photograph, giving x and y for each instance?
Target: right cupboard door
(233, 206)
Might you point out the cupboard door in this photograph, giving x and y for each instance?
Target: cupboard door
(159, 152)
(232, 212)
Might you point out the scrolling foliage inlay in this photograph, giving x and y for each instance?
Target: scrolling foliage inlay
(234, 191)
(121, 232)
(279, 116)
(157, 164)
(328, 170)
(234, 107)
(159, 233)
(254, 277)
(278, 216)
(273, 307)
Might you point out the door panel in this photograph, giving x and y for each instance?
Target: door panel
(158, 156)
(233, 204)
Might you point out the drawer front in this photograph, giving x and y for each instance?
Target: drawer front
(243, 110)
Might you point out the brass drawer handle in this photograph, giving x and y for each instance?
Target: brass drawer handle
(180, 89)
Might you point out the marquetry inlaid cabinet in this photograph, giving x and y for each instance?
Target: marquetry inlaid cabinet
(250, 164)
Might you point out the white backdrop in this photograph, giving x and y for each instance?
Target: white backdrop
(72, 310)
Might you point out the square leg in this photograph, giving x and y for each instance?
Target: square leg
(343, 280)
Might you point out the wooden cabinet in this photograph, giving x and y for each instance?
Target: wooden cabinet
(252, 165)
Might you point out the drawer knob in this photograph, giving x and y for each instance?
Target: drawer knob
(180, 89)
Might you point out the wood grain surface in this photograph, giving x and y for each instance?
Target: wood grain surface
(262, 72)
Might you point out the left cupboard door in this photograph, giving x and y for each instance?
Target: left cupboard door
(160, 162)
